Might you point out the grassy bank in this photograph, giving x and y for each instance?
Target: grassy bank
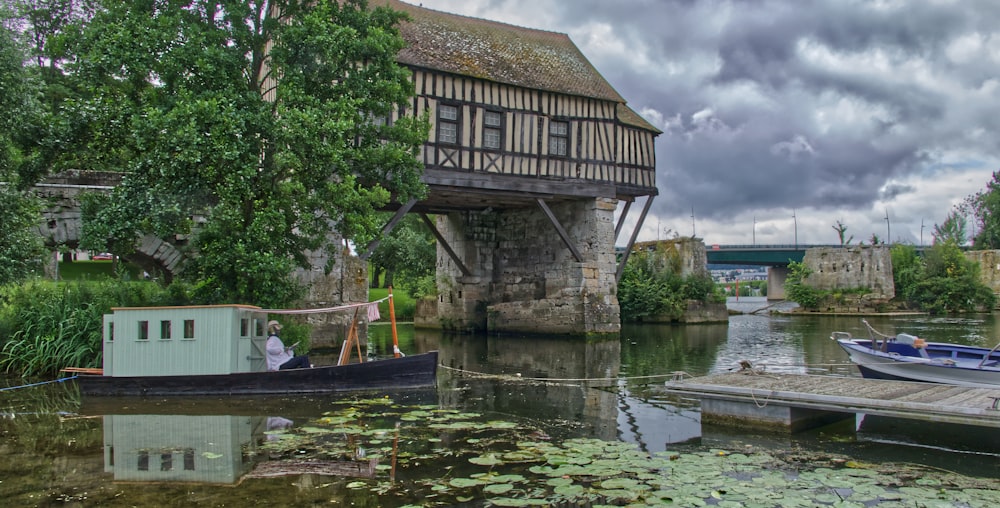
(404, 305)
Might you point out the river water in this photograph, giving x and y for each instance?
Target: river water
(62, 451)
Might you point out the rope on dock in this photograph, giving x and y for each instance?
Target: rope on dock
(675, 376)
(60, 380)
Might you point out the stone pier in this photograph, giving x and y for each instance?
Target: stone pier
(517, 275)
(776, 276)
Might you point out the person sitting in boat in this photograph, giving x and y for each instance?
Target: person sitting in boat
(280, 357)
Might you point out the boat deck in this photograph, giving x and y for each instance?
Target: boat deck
(900, 399)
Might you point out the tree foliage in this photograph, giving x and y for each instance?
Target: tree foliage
(407, 257)
(985, 207)
(652, 286)
(254, 128)
(907, 269)
(950, 282)
(22, 253)
(953, 229)
(841, 230)
(796, 288)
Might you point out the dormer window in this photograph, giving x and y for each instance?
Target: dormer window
(558, 138)
(447, 124)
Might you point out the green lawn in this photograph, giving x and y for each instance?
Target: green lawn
(404, 305)
(94, 270)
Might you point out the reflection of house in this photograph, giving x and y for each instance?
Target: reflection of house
(215, 449)
(204, 449)
(190, 340)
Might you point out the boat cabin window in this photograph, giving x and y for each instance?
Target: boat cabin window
(111, 332)
(258, 327)
(165, 330)
(143, 330)
(245, 327)
(188, 328)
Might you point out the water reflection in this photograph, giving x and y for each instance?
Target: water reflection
(180, 448)
(563, 387)
(211, 449)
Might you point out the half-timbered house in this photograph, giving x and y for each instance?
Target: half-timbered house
(530, 154)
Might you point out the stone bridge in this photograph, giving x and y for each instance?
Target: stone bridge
(62, 222)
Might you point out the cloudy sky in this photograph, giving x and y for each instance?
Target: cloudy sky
(782, 118)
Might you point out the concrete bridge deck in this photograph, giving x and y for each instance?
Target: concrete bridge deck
(797, 402)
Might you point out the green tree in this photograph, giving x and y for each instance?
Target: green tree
(253, 128)
(907, 269)
(985, 207)
(950, 282)
(407, 258)
(652, 286)
(797, 290)
(841, 230)
(22, 253)
(953, 228)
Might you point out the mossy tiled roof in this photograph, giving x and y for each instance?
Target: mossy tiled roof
(498, 52)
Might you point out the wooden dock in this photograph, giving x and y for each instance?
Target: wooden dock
(797, 402)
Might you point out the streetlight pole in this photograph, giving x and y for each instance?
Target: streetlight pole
(795, 222)
(694, 233)
(888, 234)
(921, 232)
(754, 231)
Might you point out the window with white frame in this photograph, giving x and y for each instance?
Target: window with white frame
(447, 124)
(558, 138)
(492, 129)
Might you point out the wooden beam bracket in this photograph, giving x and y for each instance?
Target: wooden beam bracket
(389, 226)
(559, 229)
(631, 240)
(444, 244)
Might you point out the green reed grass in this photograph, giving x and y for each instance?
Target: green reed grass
(46, 326)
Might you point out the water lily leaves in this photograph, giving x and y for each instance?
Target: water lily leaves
(462, 483)
(520, 466)
(489, 459)
(498, 488)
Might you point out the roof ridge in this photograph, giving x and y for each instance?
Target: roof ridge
(486, 20)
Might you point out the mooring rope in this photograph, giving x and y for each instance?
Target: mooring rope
(369, 305)
(60, 380)
(676, 376)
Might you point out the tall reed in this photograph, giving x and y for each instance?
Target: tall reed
(50, 325)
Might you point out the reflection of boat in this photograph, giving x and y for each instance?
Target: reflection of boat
(220, 349)
(219, 449)
(909, 358)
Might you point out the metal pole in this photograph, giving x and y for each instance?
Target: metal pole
(795, 223)
(694, 233)
(754, 231)
(888, 234)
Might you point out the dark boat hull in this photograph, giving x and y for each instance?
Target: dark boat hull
(396, 373)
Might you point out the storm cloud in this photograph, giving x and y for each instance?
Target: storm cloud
(781, 118)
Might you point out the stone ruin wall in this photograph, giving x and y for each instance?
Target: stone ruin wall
(989, 268)
(846, 268)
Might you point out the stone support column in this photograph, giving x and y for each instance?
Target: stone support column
(523, 277)
(776, 276)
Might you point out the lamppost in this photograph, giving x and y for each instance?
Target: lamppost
(921, 232)
(754, 231)
(694, 233)
(888, 234)
(795, 223)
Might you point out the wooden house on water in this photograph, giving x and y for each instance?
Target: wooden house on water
(186, 340)
(530, 154)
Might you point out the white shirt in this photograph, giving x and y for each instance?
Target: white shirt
(277, 354)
